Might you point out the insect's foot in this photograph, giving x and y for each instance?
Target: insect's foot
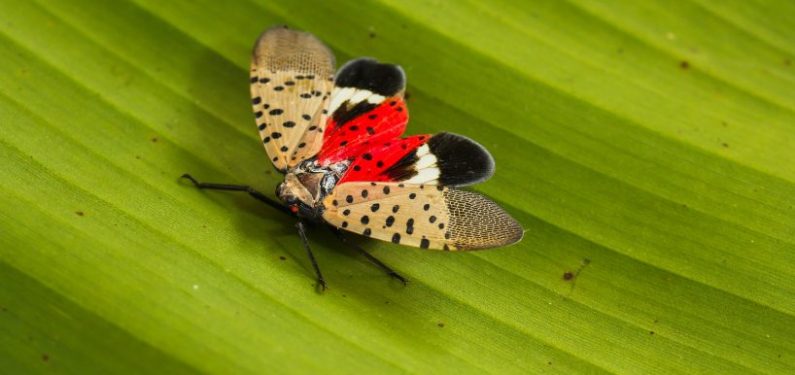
(397, 277)
(189, 177)
(320, 286)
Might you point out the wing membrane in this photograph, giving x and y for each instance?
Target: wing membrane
(431, 217)
(366, 108)
(291, 81)
(442, 159)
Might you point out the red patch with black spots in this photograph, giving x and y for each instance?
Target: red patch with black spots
(345, 141)
(382, 161)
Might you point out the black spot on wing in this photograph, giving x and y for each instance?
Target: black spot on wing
(369, 74)
(461, 160)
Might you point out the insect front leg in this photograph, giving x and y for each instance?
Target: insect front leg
(245, 188)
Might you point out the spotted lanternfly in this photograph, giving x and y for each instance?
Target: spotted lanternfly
(337, 138)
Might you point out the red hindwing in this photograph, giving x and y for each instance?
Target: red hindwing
(346, 138)
(382, 162)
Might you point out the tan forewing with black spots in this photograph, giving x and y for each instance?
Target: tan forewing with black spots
(291, 80)
(425, 216)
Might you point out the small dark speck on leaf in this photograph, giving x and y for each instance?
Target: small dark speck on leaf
(440, 324)
(372, 35)
(724, 144)
(344, 296)
(406, 95)
(3, 309)
(154, 139)
(549, 363)
(282, 257)
(79, 213)
(655, 321)
(45, 357)
(651, 333)
(684, 64)
(787, 62)
(572, 275)
(138, 157)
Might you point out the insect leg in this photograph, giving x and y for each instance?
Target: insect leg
(389, 271)
(321, 283)
(257, 195)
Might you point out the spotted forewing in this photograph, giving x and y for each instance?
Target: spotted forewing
(291, 81)
(425, 216)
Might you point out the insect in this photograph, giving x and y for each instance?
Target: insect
(337, 139)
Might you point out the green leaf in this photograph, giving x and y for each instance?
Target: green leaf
(647, 147)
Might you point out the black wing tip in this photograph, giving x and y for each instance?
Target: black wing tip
(367, 73)
(461, 160)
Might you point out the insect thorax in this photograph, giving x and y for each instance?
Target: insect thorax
(306, 185)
